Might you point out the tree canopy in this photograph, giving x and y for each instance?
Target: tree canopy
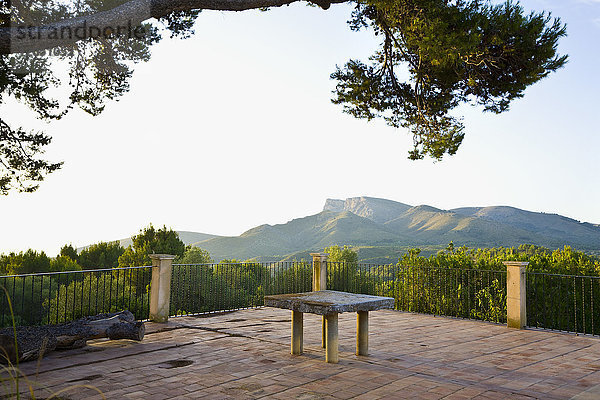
(69, 251)
(24, 262)
(100, 255)
(456, 52)
(453, 51)
(341, 254)
(194, 255)
(151, 241)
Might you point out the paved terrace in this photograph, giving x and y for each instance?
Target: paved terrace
(246, 354)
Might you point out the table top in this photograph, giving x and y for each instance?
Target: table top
(326, 302)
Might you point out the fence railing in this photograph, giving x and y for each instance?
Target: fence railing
(563, 302)
(57, 297)
(205, 288)
(464, 293)
(552, 301)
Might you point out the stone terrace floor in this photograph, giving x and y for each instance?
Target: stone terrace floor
(246, 354)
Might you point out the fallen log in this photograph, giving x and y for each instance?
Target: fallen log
(35, 341)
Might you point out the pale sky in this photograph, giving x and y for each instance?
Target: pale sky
(234, 128)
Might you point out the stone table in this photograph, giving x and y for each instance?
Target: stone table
(330, 303)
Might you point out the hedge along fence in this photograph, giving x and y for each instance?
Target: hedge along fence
(563, 302)
(464, 293)
(551, 301)
(57, 297)
(205, 288)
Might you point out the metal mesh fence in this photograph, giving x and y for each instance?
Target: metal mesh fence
(563, 302)
(205, 288)
(465, 293)
(558, 302)
(57, 297)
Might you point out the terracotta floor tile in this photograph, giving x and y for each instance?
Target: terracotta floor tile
(412, 356)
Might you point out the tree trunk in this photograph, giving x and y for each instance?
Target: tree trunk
(130, 13)
(34, 341)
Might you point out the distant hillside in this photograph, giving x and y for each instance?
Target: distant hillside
(382, 230)
(189, 238)
(378, 210)
(428, 225)
(555, 226)
(313, 232)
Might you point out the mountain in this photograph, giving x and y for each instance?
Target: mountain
(378, 210)
(563, 229)
(318, 231)
(428, 225)
(382, 229)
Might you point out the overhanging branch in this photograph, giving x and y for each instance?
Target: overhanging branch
(121, 20)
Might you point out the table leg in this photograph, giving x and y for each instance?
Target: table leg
(297, 332)
(331, 345)
(362, 333)
(323, 332)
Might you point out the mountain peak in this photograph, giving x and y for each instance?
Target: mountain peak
(375, 209)
(334, 205)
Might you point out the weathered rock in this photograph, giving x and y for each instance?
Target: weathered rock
(35, 341)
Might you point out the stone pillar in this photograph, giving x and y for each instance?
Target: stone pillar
(323, 332)
(160, 288)
(331, 347)
(362, 333)
(319, 271)
(320, 283)
(516, 294)
(297, 332)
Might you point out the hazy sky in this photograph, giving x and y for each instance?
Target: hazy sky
(234, 128)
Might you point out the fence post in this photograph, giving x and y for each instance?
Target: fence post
(319, 271)
(160, 287)
(320, 283)
(516, 294)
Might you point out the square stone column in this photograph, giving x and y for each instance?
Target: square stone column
(319, 282)
(297, 332)
(319, 271)
(516, 294)
(331, 346)
(362, 333)
(160, 287)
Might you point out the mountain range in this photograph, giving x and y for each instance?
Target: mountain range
(381, 230)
